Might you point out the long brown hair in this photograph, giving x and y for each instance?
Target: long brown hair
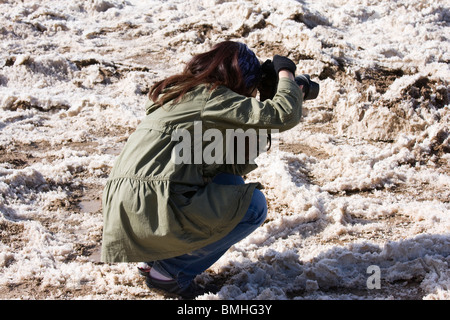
(219, 66)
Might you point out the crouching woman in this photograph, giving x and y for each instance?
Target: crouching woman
(181, 216)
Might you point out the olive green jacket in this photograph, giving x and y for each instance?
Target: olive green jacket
(154, 208)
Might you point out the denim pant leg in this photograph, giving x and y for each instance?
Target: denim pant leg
(186, 267)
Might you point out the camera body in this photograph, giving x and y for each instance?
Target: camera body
(267, 87)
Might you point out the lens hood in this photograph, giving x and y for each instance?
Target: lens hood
(310, 88)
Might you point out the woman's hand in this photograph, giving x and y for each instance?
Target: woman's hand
(288, 74)
(285, 74)
(284, 66)
(283, 63)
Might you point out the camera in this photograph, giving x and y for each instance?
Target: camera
(310, 88)
(267, 87)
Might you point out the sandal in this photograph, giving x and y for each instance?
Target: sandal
(144, 268)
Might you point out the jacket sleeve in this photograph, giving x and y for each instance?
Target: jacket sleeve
(230, 110)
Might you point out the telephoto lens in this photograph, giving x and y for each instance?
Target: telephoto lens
(310, 88)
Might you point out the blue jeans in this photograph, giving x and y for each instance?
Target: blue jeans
(186, 267)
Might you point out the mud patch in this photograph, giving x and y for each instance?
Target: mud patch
(428, 93)
(298, 148)
(379, 77)
(10, 235)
